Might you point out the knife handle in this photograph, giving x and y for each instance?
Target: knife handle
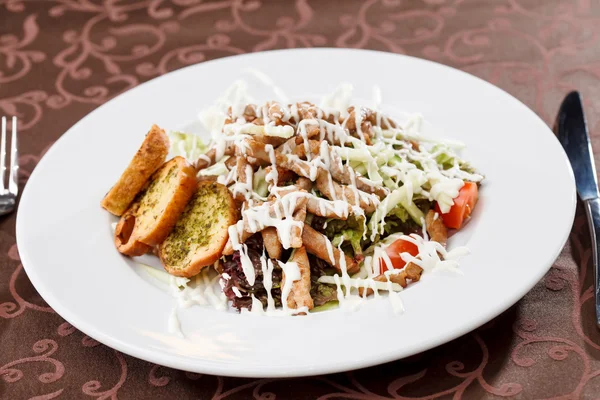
(592, 207)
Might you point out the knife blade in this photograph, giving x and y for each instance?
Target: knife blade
(574, 137)
(573, 134)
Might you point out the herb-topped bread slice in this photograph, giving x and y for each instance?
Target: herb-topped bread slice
(157, 207)
(150, 156)
(201, 232)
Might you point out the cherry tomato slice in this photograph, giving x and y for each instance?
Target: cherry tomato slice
(464, 204)
(394, 250)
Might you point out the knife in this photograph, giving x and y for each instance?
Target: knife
(573, 135)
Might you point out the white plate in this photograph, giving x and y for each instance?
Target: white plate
(520, 225)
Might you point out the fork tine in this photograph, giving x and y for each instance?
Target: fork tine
(3, 156)
(13, 183)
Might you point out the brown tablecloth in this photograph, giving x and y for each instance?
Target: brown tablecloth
(60, 59)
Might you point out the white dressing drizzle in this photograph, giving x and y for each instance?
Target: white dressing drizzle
(247, 266)
(273, 176)
(376, 164)
(432, 255)
(292, 274)
(260, 216)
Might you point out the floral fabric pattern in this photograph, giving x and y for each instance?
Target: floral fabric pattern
(60, 59)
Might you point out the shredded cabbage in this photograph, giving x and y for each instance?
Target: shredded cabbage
(259, 183)
(350, 154)
(217, 169)
(187, 145)
(398, 197)
(359, 282)
(163, 276)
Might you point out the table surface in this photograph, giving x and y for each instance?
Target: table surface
(60, 59)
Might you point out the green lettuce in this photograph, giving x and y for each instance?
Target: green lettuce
(326, 306)
(352, 236)
(348, 231)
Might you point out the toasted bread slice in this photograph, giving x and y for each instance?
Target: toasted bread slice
(150, 156)
(123, 231)
(163, 201)
(201, 232)
(157, 208)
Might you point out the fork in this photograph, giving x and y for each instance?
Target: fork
(8, 197)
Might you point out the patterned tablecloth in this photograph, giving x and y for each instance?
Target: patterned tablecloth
(60, 59)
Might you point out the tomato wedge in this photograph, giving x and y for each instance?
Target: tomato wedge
(463, 206)
(394, 250)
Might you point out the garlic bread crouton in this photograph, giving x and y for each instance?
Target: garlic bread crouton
(200, 234)
(124, 243)
(157, 208)
(163, 201)
(150, 156)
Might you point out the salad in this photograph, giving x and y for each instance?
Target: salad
(334, 203)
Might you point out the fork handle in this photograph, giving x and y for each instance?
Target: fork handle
(592, 208)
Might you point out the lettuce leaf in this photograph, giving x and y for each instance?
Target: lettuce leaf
(352, 236)
(350, 232)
